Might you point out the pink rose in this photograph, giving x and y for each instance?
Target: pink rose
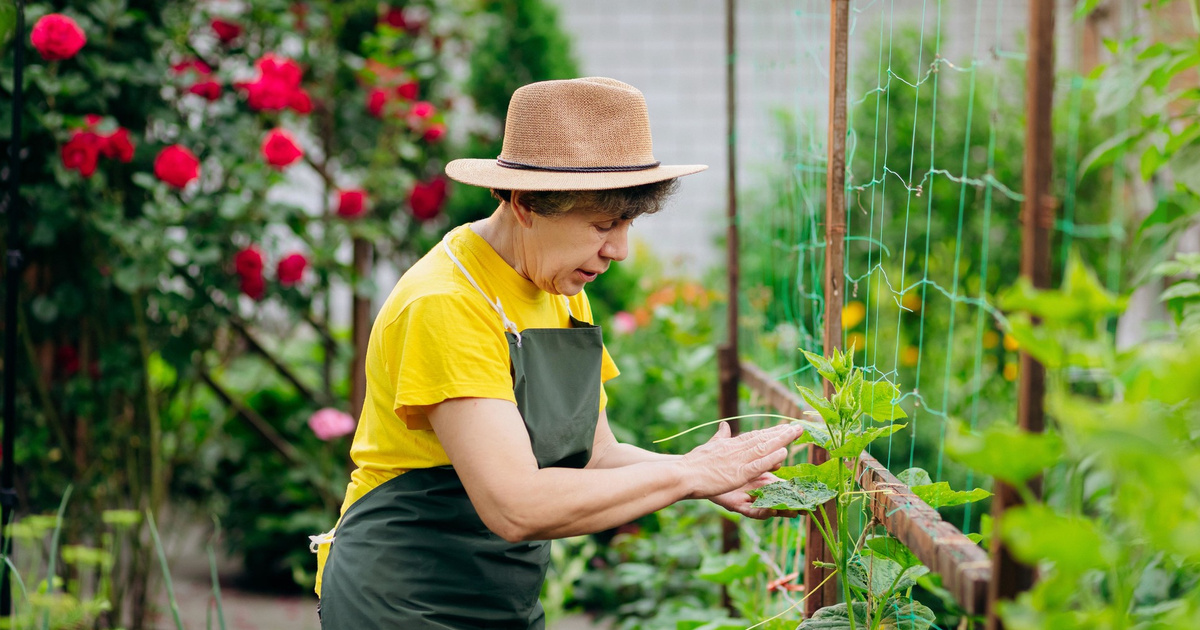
(624, 322)
(291, 269)
(422, 110)
(328, 424)
(176, 166)
(300, 102)
(279, 148)
(57, 37)
(191, 65)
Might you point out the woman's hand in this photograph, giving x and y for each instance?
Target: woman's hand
(725, 464)
(738, 501)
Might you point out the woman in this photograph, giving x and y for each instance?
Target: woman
(484, 432)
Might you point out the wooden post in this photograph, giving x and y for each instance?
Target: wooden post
(1037, 216)
(361, 329)
(835, 234)
(727, 360)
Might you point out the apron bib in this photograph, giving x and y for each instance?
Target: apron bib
(413, 553)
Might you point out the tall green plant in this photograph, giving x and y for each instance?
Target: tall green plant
(876, 572)
(1115, 536)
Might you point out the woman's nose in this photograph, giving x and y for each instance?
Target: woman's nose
(616, 246)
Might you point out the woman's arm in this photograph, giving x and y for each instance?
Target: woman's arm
(489, 447)
(607, 452)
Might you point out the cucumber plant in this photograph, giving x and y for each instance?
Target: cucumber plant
(876, 572)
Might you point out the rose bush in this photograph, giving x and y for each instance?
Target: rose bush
(189, 171)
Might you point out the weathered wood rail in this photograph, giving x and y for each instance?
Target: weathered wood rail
(964, 566)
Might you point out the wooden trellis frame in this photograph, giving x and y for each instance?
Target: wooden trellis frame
(976, 581)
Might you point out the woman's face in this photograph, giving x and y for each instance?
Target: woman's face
(561, 254)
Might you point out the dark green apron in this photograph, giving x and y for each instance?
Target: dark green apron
(413, 554)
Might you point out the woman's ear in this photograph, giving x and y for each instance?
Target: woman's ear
(521, 211)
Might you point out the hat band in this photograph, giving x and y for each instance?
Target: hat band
(577, 169)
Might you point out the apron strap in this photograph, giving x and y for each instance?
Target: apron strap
(495, 304)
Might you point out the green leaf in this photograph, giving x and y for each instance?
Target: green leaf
(892, 549)
(1037, 533)
(914, 477)
(1004, 452)
(791, 495)
(823, 366)
(826, 473)
(856, 442)
(820, 404)
(1084, 8)
(941, 495)
(881, 576)
(814, 433)
(729, 567)
(1185, 166)
(1108, 151)
(875, 400)
(1185, 289)
(900, 614)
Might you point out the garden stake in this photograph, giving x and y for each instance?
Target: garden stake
(1037, 216)
(8, 496)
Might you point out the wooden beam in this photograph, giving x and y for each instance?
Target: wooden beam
(835, 239)
(963, 565)
(1037, 218)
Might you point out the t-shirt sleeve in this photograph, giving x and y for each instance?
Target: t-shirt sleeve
(445, 346)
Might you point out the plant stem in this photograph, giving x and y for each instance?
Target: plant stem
(162, 560)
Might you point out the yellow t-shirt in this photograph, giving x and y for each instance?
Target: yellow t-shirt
(437, 338)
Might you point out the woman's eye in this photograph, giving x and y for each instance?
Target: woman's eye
(605, 227)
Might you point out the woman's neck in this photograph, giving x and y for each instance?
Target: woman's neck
(503, 233)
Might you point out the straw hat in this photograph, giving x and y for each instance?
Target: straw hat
(577, 134)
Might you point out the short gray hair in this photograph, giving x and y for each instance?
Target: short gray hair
(618, 203)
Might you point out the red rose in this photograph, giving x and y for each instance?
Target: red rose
(117, 145)
(426, 199)
(226, 31)
(351, 203)
(408, 90)
(92, 120)
(254, 286)
(248, 262)
(191, 65)
(394, 17)
(268, 93)
(57, 37)
(291, 269)
(407, 19)
(376, 99)
(176, 166)
(67, 358)
(281, 68)
(280, 148)
(300, 102)
(81, 152)
(210, 90)
(434, 133)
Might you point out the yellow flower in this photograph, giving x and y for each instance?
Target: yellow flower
(1010, 344)
(910, 356)
(856, 340)
(853, 314)
(1010, 371)
(990, 339)
(911, 301)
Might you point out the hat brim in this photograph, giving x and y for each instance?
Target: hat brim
(489, 174)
